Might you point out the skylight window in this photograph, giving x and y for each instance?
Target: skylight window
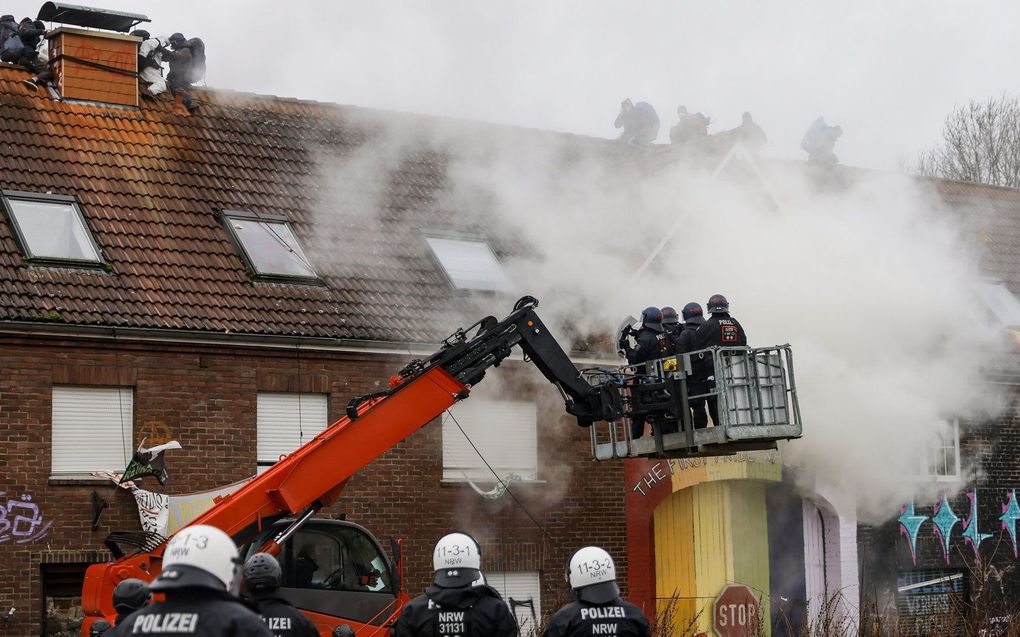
(269, 245)
(50, 227)
(469, 264)
(1000, 301)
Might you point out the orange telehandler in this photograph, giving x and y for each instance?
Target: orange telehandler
(335, 570)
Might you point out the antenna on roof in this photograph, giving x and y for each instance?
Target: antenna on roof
(90, 17)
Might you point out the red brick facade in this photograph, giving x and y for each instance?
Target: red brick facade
(205, 397)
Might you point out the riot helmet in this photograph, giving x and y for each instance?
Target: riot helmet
(99, 628)
(456, 560)
(651, 317)
(262, 573)
(141, 33)
(130, 595)
(176, 40)
(592, 574)
(669, 317)
(199, 556)
(693, 314)
(717, 303)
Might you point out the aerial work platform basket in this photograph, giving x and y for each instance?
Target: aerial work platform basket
(754, 391)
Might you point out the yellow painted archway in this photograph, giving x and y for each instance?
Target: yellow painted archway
(712, 530)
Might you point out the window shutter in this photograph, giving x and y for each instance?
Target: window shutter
(92, 429)
(522, 591)
(504, 432)
(285, 421)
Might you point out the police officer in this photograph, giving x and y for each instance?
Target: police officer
(99, 628)
(599, 610)
(650, 345)
(459, 603)
(200, 579)
(670, 331)
(130, 595)
(721, 330)
(262, 576)
(693, 316)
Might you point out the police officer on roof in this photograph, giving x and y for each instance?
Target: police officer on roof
(130, 595)
(721, 330)
(599, 610)
(650, 345)
(459, 603)
(262, 576)
(200, 578)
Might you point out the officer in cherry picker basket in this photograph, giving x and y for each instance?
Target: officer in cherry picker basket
(200, 578)
(128, 596)
(721, 330)
(459, 603)
(599, 610)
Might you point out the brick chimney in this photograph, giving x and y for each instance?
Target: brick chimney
(95, 66)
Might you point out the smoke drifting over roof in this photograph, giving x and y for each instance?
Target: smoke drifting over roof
(887, 72)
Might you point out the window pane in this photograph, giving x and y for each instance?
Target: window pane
(1001, 302)
(471, 265)
(91, 429)
(285, 421)
(503, 431)
(272, 247)
(53, 230)
(522, 592)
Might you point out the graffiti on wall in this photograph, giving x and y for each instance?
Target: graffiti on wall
(21, 520)
(944, 520)
(663, 470)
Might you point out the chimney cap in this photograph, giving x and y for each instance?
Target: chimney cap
(90, 17)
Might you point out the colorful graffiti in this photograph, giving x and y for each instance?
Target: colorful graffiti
(944, 520)
(910, 525)
(21, 520)
(1010, 514)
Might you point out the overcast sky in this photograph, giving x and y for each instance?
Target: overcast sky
(887, 71)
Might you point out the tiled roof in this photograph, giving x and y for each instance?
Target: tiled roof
(150, 181)
(992, 215)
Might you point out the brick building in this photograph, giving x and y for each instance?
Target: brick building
(951, 559)
(230, 281)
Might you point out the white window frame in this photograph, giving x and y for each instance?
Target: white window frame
(266, 221)
(92, 429)
(493, 440)
(948, 446)
(509, 584)
(77, 219)
(496, 280)
(302, 416)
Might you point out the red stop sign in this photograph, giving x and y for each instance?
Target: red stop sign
(736, 612)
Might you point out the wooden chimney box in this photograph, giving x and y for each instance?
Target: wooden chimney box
(96, 66)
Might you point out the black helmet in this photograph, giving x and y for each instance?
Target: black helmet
(262, 573)
(140, 33)
(176, 39)
(669, 316)
(693, 314)
(718, 303)
(651, 317)
(99, 627)
(130, 595)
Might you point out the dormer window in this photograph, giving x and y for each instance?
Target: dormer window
(50, 228)
(469, 264)
(269, 246)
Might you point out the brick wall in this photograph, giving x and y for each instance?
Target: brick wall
(205, 397)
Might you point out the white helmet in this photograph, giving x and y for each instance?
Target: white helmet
(457, 560)
(199, 556)
(592, 574)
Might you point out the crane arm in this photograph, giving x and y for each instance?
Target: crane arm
(314, 475)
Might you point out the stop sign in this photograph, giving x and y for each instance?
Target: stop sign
(736, 612)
